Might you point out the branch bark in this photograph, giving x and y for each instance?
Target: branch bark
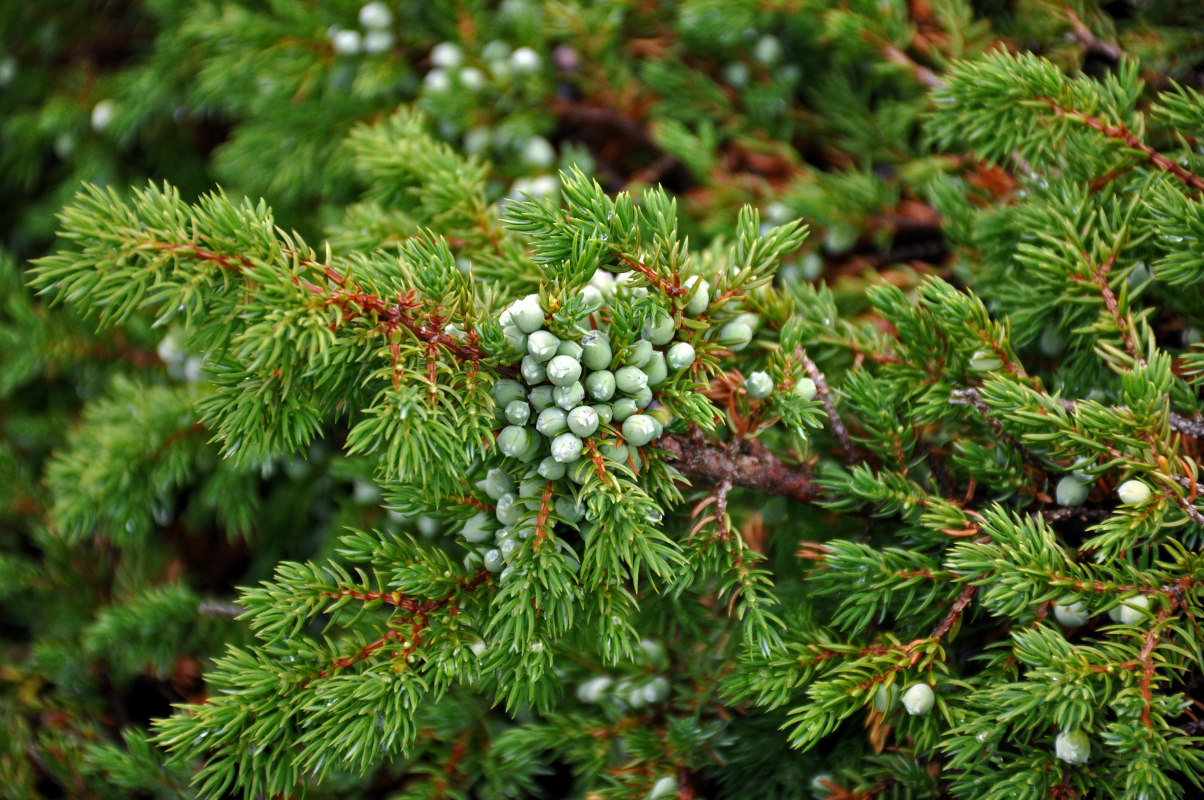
(754, 467)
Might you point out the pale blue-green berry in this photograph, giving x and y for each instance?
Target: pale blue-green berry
(527, 314)
(518, 412)
(551, 469)
(568, 397)
(580, 471)
(508, 547)
(446, 55)
(631, 379)
(665, 787)
(656, 690)
(496, 483)
(532, 371)
(347, 43)
(503, 534)
(540, 397)
(566, 448)
(531, 487)
(642, 398)
(507, 510)
(515, 339)
(1071, 491)
(884, 698)
(506, 390)
(604, 411)
(600, 385)
(805, 388)
(583, 421)
(538, 152)
(513, 441)
(542, 345)
(591, 691)
(552, 422)
(638, 353)
(563, 370)
(680, 356)
(525, 532)
(758, 385)
(1133, 492)
(1132, 610)
(656, 370)
(471, 78)
(478, 528)
(919, 699)
(567, 509)
(748, 318)
(701, 298)
(1071, 613)
(375, 15)
(623, 408)
(524, 60)
(615, 452)
(734, 336)
(768, 50)
(639, 429)
(985, 361)
(534, 448)
(1073, 747)
(595, 350)
(493, 560)
(659, 330)
(570, 348)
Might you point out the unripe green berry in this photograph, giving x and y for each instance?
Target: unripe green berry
(735, 336)
(639, 429)
(532, 371)
(591, 691)
(540, 397)
(919, 699)
(1133, 492)
(518, 412)
(985, 361)
(569, 510)
(604, 411)
(595, 350)
(566, 448)
(1071, 613)
(563, 370)
(758, 385)
(656, 690)
(666, 787)
(478, 528)
(513, 441)
(551, 469)
(496, 483)
(508, 547)
(528, 316)
(552, 422)
(1071, 491)
(570, 348)
(515, 339)
(507, 510)
(614, 452)
(642, 398)
(1073, 747)
(659, 330)
(542, 345)
(631, 380)
(748, 318)
(600, 385)
(701, 298)
(535, 445)
(623, 408)
(680, 356)
(579, 471)
(493, 560)
(505, 391)
(532, 487)
(638, 354)
(656, 370)
(583, 421)
(568, 397)
(805, 388)
(1132, 610)
(885, 697)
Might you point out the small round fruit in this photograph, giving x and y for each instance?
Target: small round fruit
(885, 697)
(919, 699)
(623, 408)
(569, 397)
(532, 370)
(701, 298)
(540, 397)
(566, 448)
(583, 421)
(985, 361)
(639, 353)
(478, 528)
(507, 510)
(513, 441)
(566, 508)
(639, 429)
(656, 370)
(1071, 613)
(735, 336)
(1133, 610)
(552, 422)
(615, 452)
(1133, 492)
(1073, 747)
(600, 385)
(518, 412)
(528, 316)
(680, 356)
(595, 350)
(563, 370)
(542, 345)
(570, 348)
(506, 390)
(496, 483)
(493, 560)
(758, 385)
(631, 380)
(1071, 491)
(591, 691)
(659, 330)
(604, 411)
(805, 388)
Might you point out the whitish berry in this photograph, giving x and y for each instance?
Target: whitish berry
(631, 379)
(583, 421)
(701, 298)
(551, 469)
(985, 361)
(508, 547)
(513, 441)
(570, 348)
(569, 397)
(515, 339)
(496, 483)
(805, 388)
(1071, 491)
(533, 372)
(1133, 492)
(447, 55)
(604, 411)
(506, 390)
(600, 385)
(656, 370)
(1071, 613)
(552, 422)
(758, 385)
(595, 351)
(566, 448)
(614, 452)
(736, 74)
(542, 345)
(664, 788)
(540, 397)
(378, 41)
(478, 528)
(768, 50)
(493, 560)
(1073, 747)
(680, 356)
(1132, 610)
(919, 699)
(436, 81)
(538, 152)
(346, 43)
(642, 398)
(375, 15)
(524, 60)
(885, 697)
(660, 329)
(735, 335)
(563, 370)
(623, 408)
(639, 429)
(527, 315)
(656, 690)
(591, 691)
(639, 354)
(518, 412)
(507, 509)
(472, 79)
(568, 509)
(102, 114)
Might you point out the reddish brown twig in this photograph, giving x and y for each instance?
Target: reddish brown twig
(754, 467)
(825, 395)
